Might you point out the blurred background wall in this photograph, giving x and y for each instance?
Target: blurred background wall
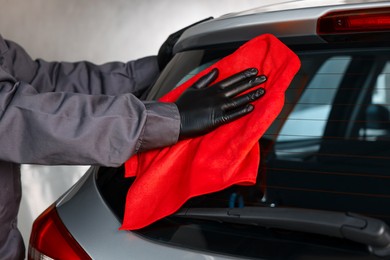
(98, 31)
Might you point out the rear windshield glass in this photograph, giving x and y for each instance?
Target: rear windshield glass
(328, 149)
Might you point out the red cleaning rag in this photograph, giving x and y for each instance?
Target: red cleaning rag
(166, 178)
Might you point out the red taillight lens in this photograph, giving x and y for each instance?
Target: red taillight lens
(50, 239)
(355, 21)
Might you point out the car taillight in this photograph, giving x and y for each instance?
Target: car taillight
(355, 25)
(51, 240)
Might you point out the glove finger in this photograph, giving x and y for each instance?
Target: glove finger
(232, 115)
(206, 80)
(244, 99)
(244, 86)
(236, 78)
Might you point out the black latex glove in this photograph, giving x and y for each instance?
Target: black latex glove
(165, 52)
(203, 108)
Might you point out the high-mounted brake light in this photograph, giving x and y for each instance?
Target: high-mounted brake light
(362, 21)
(51, 240)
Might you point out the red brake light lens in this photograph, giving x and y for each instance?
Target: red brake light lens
(355, 21)
(51, 240)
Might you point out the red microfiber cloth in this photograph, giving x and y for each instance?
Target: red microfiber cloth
(166, 178)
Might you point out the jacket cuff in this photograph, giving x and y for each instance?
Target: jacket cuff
(162, 127)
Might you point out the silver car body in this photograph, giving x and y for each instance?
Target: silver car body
(96, 228)
(96, 220)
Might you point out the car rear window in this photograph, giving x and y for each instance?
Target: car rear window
(328, 149)
(333, 148)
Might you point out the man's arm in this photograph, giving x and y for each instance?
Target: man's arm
(113, 78)
(41, 123)
(72, 128)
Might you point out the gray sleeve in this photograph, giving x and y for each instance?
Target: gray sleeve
(41, 127)
(71, 128)
(111, 78)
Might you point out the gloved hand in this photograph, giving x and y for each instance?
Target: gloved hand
(165, 53)
(203, 108)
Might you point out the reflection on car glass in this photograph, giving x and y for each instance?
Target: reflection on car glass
(377, 113)
(195, 71)
(310, 114)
